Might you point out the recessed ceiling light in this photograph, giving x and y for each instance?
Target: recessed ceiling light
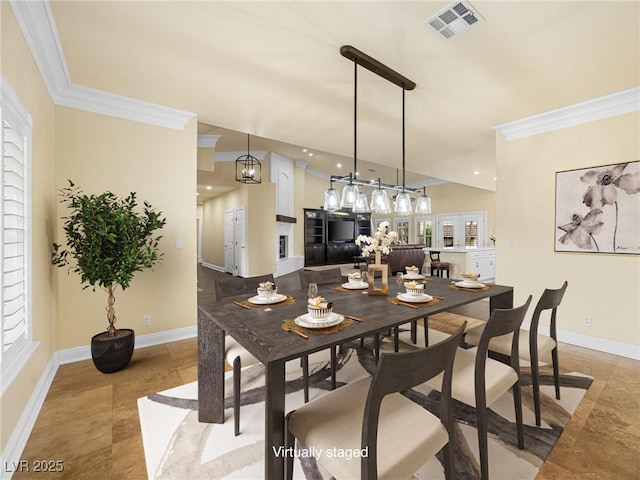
(476, 172)
(310, 154)
(209, 187)
(338, 165)
(304, 150)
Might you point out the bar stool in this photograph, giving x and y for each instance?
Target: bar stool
(437, 267)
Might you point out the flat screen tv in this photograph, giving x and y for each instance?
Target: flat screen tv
(341, 231)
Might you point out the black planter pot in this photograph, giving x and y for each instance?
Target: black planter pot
(111, 354)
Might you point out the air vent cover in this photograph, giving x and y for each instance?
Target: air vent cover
(454, 20)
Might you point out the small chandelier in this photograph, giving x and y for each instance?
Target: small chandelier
(423, 205)
(248, 167)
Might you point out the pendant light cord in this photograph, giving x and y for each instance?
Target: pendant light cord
(403, 148)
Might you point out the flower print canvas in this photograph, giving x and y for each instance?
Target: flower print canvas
(598, 209)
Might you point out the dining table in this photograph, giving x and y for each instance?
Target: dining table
(259, 329)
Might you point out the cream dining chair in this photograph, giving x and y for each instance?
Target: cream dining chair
(372, 416)
(479, 381)
(235, 354)
(538, 345)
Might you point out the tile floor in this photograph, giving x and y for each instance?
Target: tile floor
(89, 420)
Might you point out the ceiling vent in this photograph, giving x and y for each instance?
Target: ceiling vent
(454, 20)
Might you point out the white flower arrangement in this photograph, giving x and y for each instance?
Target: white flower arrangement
(380, 242)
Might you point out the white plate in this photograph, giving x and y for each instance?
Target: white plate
(258, 300)
(405, 297)
(465, 284)
(355, 286)
(308, 321)
(413, 277)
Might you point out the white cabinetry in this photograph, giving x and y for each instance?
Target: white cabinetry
(483, 263)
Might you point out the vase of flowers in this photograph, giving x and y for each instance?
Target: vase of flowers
(378, 244)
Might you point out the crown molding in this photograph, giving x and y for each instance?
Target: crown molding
(36, 21)
(618, 103)
(233, 156)
(208, 141)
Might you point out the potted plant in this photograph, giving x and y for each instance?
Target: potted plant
(107, 241)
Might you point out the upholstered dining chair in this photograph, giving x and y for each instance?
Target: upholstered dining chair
(479, 381)
(438, 267)
(399, 435)
(539, 345)
(235, 354)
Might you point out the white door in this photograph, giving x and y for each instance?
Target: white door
(448, 231)
(240, 234)
(229, 255)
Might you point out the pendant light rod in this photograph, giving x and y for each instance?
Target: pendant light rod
(364, 183)
(355, 119)
(376, 67)
(403, 147)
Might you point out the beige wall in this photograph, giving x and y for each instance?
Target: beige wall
(603, 286)
(19, 70)
(100, 153)
(259, 202)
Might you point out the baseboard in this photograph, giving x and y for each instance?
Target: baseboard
(10, 459)
(77, 354)
(594, 343)
(213, 267)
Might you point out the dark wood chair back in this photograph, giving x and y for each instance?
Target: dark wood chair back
(397, 372)
(232, 286)
(501, 322)
(549, 300)
(321, 277)
(434, 256)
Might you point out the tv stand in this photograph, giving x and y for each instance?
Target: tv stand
(320, 248)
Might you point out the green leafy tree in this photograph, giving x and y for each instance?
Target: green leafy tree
(107, 241)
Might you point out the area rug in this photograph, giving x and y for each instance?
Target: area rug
(178, 447)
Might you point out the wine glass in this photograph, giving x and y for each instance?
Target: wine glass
(313, 290)
(399, 278)
(364, 277)
(425, 269)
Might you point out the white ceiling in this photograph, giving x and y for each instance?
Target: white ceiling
(273, 69)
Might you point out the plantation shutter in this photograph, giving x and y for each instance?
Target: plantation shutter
(15, 247)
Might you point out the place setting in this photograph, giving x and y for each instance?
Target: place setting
(355, 281)
(470, 282)
(414, 294)
(413, 273)
(320, 317)
(267, 295)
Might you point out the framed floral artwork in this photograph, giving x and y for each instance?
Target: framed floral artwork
(598, 209)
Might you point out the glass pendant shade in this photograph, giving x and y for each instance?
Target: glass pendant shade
(379, 201)
(361, 204)
(331, 200)
(403, 204)
(423, 205)
(349, 195)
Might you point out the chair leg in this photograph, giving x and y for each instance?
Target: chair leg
(481, 416)
(236, 395)
(305, 377)
(556, 371)
(535, 383)
(414, 332)
(334, 363)
(517, 403)
(289, 443)
(376, 346)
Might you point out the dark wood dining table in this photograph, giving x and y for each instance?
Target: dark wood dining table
(259, 330)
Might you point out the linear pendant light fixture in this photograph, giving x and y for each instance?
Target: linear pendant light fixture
(351, 197)
(423, 205)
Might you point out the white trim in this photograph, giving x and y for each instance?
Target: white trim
(217, 268)
(208, 141)
(11, 371)
(20, 435)
(594, 343)
(77, 354)
(38, 26)
(232, 156)
(618, 103)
